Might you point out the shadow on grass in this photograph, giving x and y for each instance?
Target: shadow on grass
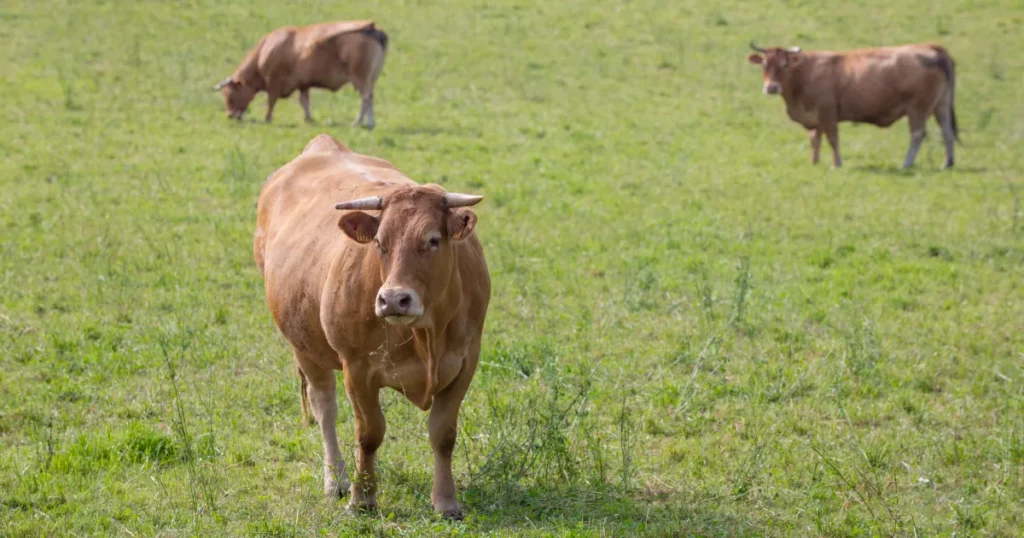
(540, 461)
(580, 509)
(412, 130)
(601, 510)
(899, 171)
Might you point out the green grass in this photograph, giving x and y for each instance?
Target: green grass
(693, 331)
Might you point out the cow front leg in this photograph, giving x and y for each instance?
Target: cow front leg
(815, 135)
(370, 428)
(443, 428)
(322, 394)
(304, 101)
(271, 100)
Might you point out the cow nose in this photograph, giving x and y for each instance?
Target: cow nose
(398, 302)
(771, 88)
(394, 300)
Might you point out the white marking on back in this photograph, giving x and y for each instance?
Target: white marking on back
(360, 169)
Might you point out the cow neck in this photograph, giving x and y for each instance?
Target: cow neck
(794, 84)
(249, 71)
(429, 342)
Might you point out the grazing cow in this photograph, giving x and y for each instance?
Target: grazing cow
(370, 273)
(327, 55)
(877, 86)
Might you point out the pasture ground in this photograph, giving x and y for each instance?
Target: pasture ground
(693, 331)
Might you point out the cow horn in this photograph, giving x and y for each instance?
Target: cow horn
(756, 48)
(371, 202)
(793, 49)
(454, 199)
(222, 83)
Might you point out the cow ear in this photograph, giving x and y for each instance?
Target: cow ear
(460, 223)
(755, 59)
(361, 227)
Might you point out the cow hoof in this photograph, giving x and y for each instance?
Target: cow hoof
(337, 487)
(453, 513)
(361, 507)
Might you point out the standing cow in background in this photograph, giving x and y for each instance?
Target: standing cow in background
(877, 86)
(327, 55)
(370, 273)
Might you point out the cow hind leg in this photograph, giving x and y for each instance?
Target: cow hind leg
(304, 101)
(831, 129)
(917, 134)
(321, 393)
(944, 116)
(271, 101)
(362, 114)
(367, 81)
(368, 105)
(365, 118)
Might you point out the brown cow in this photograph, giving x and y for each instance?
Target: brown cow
(877, 86)
(327, 55)
(394, 298)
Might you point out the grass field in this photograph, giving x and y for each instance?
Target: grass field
(693, 331)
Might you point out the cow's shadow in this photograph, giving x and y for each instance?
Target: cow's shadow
(580, 508)
(899, 171)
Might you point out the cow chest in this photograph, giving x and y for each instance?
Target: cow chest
(806, 116)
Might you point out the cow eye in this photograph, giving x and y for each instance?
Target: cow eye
(380, 247)
(435, 242)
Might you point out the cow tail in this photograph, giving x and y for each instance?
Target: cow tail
(381, 38)
(306, 415)
(378, 63)
(379, 35)
(948, 67)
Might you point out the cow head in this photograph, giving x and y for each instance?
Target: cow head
(414, 237)
(775, 63)
(237, 96)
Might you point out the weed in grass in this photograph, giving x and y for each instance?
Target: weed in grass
(199, 484)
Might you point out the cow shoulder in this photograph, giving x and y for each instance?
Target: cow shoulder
(276, 50)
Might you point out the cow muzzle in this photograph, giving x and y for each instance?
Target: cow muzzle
(771, 88)
(398, 306)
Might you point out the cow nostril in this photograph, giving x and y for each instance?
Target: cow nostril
(405, 301)
(381, 301)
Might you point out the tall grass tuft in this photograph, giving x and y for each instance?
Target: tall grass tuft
(202, 494)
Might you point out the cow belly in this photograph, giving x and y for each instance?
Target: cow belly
(885, 118)
(328, 74)
(333, 83)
